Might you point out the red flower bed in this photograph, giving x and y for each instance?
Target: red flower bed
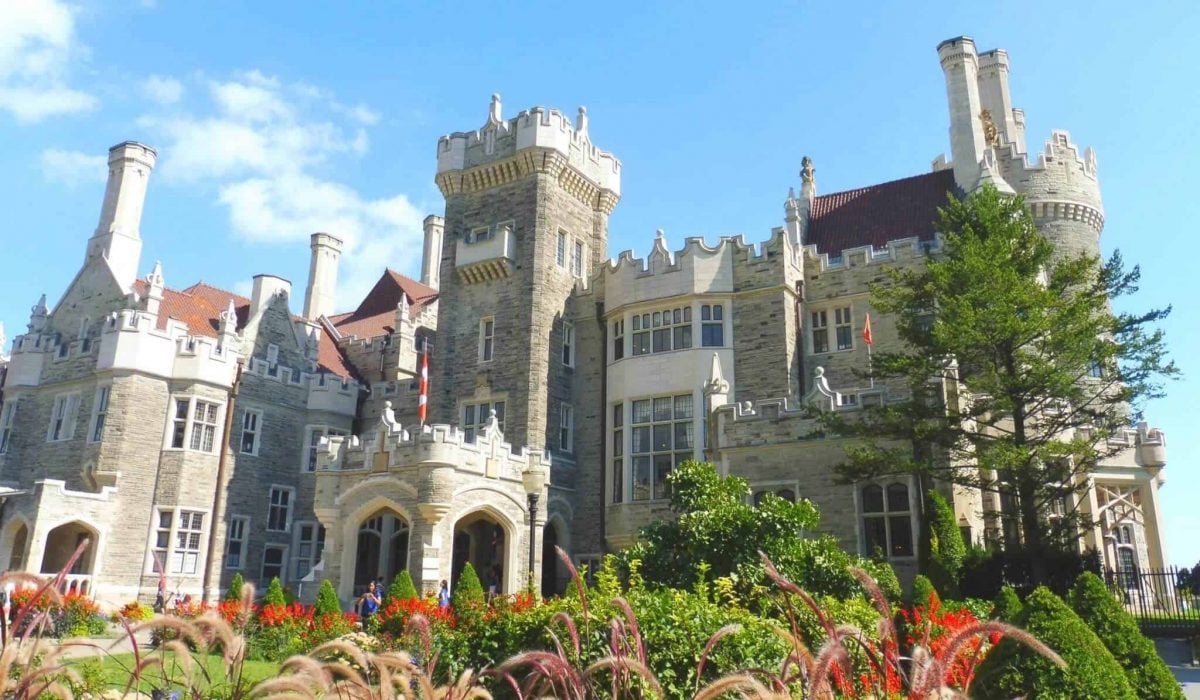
(933, 625)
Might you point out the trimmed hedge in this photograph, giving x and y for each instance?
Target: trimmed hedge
(235, 588)
(922, 590)
(1015, 670)
(467, 597)
(327, 601)
(1119, 632)
(275, 593)
(942, 561)
(402, 587)
(1007, 605)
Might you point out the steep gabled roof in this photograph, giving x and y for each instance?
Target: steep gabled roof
(200, 305)
(376, 315)
(880, 213)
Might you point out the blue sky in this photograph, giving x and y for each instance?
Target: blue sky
(274, 120)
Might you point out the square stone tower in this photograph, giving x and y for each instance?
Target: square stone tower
(527, 206)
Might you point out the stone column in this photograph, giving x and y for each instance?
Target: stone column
(427, 538)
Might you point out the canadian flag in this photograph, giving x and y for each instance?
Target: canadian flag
(423, 400)
(867, 330)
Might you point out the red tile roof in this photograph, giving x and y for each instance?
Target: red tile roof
(880, 213)
(200, 305)
(376, 315)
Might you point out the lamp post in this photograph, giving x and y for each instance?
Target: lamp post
(534, 479)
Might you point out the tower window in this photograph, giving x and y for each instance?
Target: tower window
(568, 344)
(479, 234)
(618, 453)
(712, 325)
(279, 509)
(662, 431)
(487, 334)
(99, 413)
(820, 332)
(560, 254)
(476, 416)
(577, 260)
(6, 424)
(662, 331)
(887, 519)
(62, 418)
(566, 428)
(845, 334)
(618, 343)
(250, 432)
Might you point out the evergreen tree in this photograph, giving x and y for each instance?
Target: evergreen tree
(402, 587)
(923, 591)
(1013, 362)
(235, 588)
(327, 602)
(1014, 670)
(468, 594)
(1118, 630)
(275, 593)
(944, 551)
(1007, 606)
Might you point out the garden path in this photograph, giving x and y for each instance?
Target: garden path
(1178, 655)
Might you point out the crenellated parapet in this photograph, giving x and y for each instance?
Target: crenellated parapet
(899, 251)
(1060, 184)
(538, 140)
(697, 268)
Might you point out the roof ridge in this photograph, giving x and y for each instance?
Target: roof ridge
(882, 184)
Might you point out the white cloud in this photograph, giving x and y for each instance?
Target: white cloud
(37, 47)
(162, 90)
(73, 167)
(271, 151)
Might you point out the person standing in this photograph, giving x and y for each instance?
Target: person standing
(444, 595)
(369, 603)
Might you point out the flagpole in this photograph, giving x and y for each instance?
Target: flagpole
(869, 339)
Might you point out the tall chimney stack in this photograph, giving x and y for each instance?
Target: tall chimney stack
(322, 276)
(960, 63)
(118, 235)
(431, 263)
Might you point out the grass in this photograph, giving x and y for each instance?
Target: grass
(116, 669)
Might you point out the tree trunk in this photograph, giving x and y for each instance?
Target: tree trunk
(1031, 525)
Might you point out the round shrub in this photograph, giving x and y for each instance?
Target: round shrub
(1014, 670)
(467, 598)
(923, 590)
(1116, 628)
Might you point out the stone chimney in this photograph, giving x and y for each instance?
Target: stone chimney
(319, 296)
(266, 288)
(118, 235)
(431, 263)
(960, 63)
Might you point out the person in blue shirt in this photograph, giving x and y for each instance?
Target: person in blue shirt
(369, 603)
(444, 595)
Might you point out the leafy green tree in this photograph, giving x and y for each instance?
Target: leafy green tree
(402, 587)
(1013, 361)
(235, 588)
(1118, 630)
(1014, 670)
(717, 534)
(327, 601)
(275, 594)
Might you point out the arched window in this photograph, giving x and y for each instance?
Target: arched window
(886, 519)
(786, 494)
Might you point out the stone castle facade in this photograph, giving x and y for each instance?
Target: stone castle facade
(194, 433)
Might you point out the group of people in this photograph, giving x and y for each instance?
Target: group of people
(372, 599)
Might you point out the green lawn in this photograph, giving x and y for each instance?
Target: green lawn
(117, 667)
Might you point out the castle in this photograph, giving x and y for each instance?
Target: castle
(191, 433)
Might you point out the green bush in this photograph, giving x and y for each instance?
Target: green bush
(1013, 669)
(467, 598)
(943, 556)
(922, 591)
(234, 593)
(885, 577)
(327, 602)
(275, 594)
(1007, 606)
(1118, 630)
(402, 587)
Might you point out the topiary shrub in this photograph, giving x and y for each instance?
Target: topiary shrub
(467, 598)
(234, 593)
(923, 591)
(402, 587)
(327, 602)
(275, 593)
(1118, 630)
(1007, 605)
(943, 557)
(1013, 670)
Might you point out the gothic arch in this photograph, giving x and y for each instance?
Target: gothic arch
(8, 542)
(512, 574)
(351, 521)
(385, 485)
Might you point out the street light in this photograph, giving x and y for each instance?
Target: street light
(534, 479)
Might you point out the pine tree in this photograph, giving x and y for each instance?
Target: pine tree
(402, 587)
(275, 593)
(1009, 347)
(327, 602)
(235, 588)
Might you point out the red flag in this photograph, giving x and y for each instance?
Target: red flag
(867, 330)
(423, 401)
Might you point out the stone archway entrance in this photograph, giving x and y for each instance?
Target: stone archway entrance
(481, 540)
(17, 545)
(382, 548)
(550, 583)
(61, 543)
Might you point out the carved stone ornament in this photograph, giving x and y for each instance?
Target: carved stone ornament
(807, 172)
(991, 135)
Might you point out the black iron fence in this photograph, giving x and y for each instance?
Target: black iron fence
(1164, 601)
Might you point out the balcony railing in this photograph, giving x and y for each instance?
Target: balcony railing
(485, 257)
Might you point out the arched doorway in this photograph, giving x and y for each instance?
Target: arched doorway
(550, 582)
(20, 540)
(61, 543)
(481, 540)
(382, 548)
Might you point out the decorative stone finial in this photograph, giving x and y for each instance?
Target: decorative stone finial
(494, 113)
(155, 278)
(402, 310)
(388, 417)
(807, 172)
(821, 382)
(991, 134)
(492, 430)
(37, 315)
(581, 121)
(228, 318)
(716, 380)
